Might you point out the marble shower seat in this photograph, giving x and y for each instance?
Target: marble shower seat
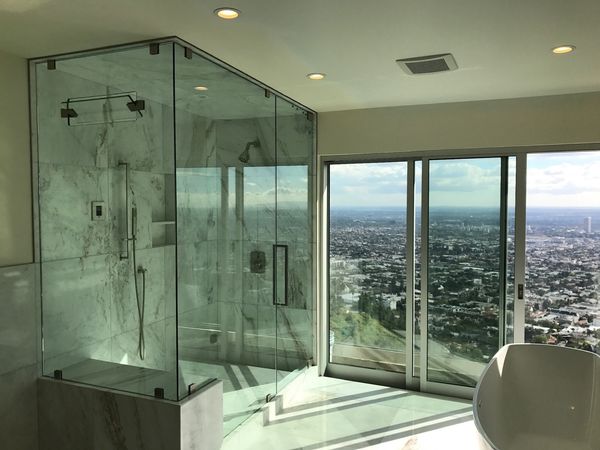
(75, 416)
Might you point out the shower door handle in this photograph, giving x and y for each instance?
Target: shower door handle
(126, 238)
(280, 274)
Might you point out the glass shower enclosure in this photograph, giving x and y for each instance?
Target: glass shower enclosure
(174, 224)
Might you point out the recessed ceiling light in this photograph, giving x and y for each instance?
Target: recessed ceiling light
(562, 49)
(227, 13)
(316, 76)
(201, 88)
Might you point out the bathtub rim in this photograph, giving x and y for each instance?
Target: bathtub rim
(483, 435)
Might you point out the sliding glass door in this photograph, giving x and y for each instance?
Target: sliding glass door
(464, 260)
(367, 265)
(419, 269)
(435, 263)
(563, 247)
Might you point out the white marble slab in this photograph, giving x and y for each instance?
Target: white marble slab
(74, 416)
(66, 194)
(18, 325)
(202, 419)
(76, 304)
(18, 409)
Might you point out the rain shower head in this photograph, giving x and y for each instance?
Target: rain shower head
(245, 155)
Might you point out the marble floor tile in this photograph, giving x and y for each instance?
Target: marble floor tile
(330, 413)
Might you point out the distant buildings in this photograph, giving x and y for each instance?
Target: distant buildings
(563, 277)
(587, 224)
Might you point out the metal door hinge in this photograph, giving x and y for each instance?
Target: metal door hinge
(136, 105)
(154, 48)
(159, 393)
(68, 113)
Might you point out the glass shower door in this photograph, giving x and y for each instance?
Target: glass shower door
(226, 212)
(294, 246)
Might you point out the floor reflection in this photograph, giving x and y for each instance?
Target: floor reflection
(328, 413)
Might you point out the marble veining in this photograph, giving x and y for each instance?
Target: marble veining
(76, 304)
(73, 416)
(65, 195)
(18, 324)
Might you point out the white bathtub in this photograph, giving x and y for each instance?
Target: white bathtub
(539, 397)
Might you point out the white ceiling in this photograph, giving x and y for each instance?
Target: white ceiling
(502, 46)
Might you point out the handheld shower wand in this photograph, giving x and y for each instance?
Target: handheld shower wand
(140, 300)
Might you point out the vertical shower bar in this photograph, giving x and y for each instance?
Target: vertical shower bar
(126, 239)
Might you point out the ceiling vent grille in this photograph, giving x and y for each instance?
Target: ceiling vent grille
(428, 64)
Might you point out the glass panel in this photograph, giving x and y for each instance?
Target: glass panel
(563, 243)
(464, 261)
(417, 256)
(367, 260)
(105, 219)
(226, 211)
(509, 335)
(295, 181)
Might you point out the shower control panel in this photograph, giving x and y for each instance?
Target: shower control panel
(98, 210)
(258, 261)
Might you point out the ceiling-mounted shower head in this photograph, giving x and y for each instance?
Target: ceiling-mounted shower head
(245, 155)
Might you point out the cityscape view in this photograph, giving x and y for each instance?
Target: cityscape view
(563, 277)
(367, 246)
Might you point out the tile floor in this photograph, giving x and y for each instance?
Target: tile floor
(328, 413)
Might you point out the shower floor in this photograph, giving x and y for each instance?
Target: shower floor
(244, 387)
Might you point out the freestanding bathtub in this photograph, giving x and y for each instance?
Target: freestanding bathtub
(539, 397)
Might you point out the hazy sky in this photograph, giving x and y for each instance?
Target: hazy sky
(557, 179)
(560, 179)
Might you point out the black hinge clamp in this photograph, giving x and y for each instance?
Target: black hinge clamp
(136, 105)
(68, 113)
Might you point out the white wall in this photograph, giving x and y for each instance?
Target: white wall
(561, 119)
(16, 242)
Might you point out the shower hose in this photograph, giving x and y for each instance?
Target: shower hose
(140, 300)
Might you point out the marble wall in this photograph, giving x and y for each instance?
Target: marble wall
(73, 416)
(19, 346)
(90, 307)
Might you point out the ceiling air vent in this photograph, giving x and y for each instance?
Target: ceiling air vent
(428, 64)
